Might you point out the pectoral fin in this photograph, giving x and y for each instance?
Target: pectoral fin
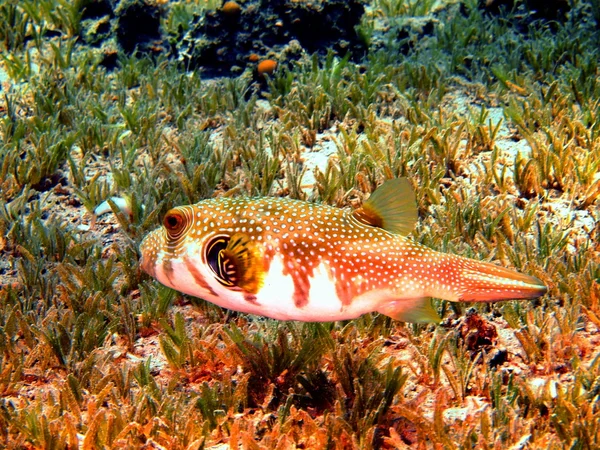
(241, 264)
(417, 310)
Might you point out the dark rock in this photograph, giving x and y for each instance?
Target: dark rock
(94, 9)
(49, 182)
(221, 42)
(97, 30)
(539, 9)
(138, 26)
(498, 357)
(218, 41)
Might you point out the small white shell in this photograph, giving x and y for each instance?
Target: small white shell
(123, 203)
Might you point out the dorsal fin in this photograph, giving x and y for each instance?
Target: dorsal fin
(241, 264)
(392, 207)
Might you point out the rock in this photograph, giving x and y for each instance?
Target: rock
(217, 41)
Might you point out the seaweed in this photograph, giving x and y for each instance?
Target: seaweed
(494, 123)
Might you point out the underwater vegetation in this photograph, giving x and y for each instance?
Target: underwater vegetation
(494, 118)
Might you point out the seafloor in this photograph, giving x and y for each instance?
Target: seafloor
(490, 108)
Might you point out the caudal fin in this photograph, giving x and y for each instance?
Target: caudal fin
(485, 282)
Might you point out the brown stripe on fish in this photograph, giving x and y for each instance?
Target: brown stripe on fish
(344, 292)
(298, 269)
(168, 270)
(301, 289)
(301, 281)
(250, 298)
(198, 278)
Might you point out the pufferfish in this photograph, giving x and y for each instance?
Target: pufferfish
(295, 260)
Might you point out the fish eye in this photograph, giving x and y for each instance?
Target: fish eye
(175, 223)
(219, 264)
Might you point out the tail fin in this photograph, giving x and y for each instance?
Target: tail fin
(485, 282)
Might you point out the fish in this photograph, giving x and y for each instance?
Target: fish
(295, 260)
